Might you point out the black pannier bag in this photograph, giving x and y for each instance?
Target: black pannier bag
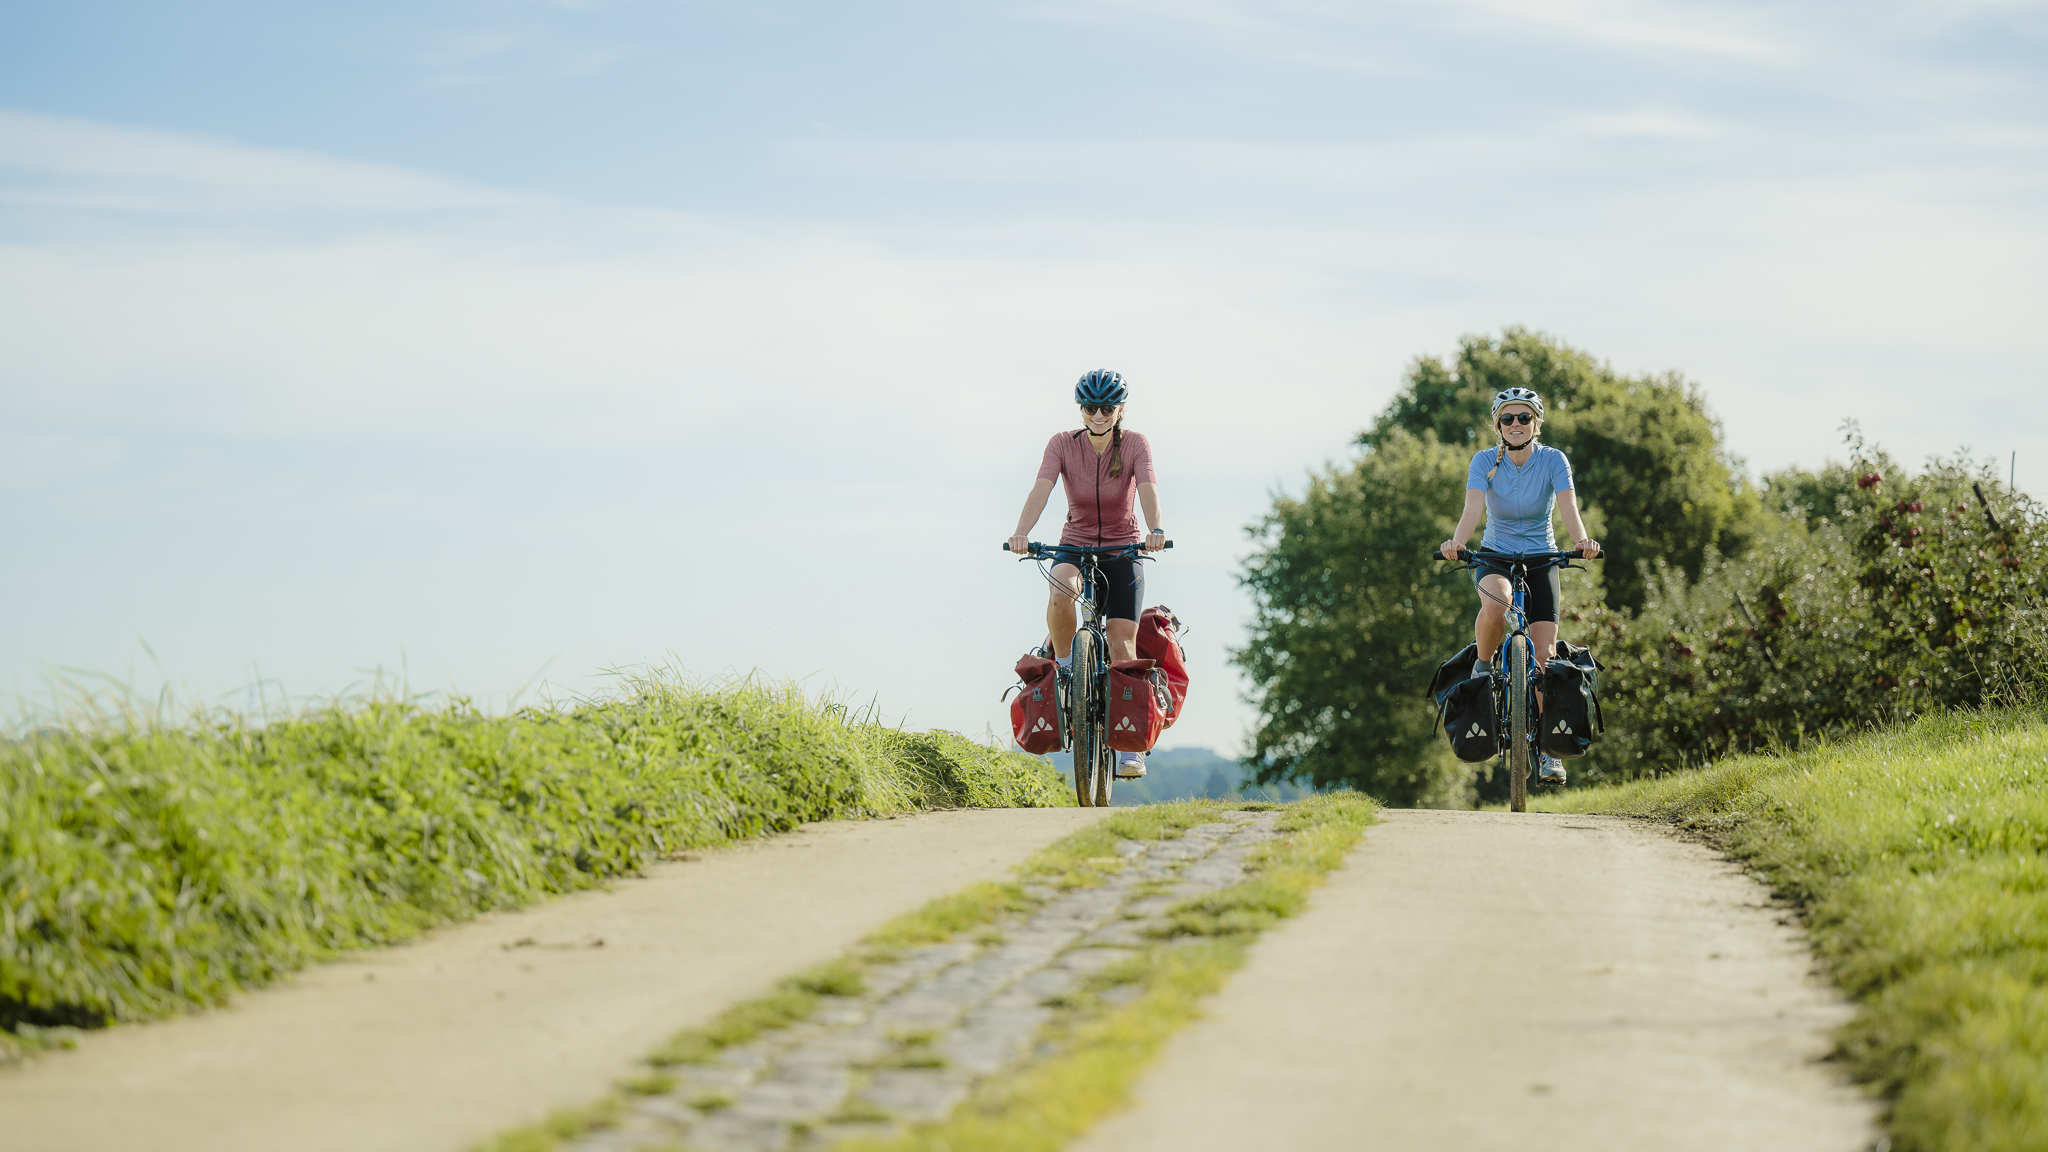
(1571, 703)
(1465, 707)
(1470, 718)
(1452, 673)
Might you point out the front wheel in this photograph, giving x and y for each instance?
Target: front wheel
(1105, 761)
(1518, 722)
(1084, 736)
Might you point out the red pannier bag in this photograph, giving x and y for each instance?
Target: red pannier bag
(1138, 704)
(1159, 639)
(1035, 718)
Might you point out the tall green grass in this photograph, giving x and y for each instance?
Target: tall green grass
(146, 867)
(1921, 856)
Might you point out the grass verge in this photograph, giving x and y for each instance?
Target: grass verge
(1920, 856)
(1104, 1033)
(148, 867)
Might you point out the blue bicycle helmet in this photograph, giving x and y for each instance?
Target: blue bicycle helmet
(1101, 387)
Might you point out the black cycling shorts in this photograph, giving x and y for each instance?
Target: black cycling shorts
(1123, 577)
(1546, 588)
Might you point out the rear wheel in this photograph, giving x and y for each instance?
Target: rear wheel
(1518, 722)
(1084, 736)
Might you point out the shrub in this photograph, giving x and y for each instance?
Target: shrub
(1911, 595)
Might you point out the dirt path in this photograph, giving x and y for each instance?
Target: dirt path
(1485, 981)
(430, 1046)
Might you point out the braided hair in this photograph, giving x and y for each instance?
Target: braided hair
(1116, 447)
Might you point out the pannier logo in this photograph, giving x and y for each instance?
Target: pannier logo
(1125, 725)
(1041, 726)
(1476, 730)
(1562, 727)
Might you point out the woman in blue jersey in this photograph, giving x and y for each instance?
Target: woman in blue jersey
(1518, 482)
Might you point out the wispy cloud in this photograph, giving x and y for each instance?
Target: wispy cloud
(1637, 25)
(1648, 123)
(514, 55)
(30, 460)
(49, 160)
(1359, 35)
(1560, 143)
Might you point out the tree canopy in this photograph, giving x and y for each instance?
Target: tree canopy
(1353, 618)
(1644, 449)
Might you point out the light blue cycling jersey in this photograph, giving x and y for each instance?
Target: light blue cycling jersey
(1520, 498)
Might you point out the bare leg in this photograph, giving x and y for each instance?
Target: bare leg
(1061, 617)
(1492, 626)
(1123, 640)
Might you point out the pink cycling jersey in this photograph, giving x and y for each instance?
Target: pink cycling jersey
(1101, 509)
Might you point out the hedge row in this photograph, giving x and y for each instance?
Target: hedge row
(1883, 597)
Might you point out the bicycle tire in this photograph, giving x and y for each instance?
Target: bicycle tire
(1518, 722)
(1105, 760)
(1086, 735)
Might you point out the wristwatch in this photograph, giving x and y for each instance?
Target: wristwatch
(1156, 532)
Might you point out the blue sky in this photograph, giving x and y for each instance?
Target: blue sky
(497, 343)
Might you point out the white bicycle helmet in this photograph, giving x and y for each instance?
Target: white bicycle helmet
(1518, 396)
(1501, 400)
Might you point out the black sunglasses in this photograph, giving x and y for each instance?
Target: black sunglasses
(1518, 417)
(1098, 409)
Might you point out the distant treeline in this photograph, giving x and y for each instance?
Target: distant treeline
(1731, 614)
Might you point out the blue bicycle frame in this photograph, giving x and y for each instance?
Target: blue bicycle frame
(1515, 664)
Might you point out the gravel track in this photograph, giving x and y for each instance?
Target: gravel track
(975, 1008)
(1480, 981)
(432, 1045)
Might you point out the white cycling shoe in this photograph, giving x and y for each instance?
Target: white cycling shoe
(1549, 770)
(1130, 765)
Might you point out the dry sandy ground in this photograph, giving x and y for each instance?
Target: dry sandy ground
(430, 1046)
(1489, 981)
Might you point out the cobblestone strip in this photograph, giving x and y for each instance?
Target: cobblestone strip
(937, 1020)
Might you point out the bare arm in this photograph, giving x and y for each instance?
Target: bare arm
(1034, 506)
(1148, 501)
(1568, 509)
(1475, 503)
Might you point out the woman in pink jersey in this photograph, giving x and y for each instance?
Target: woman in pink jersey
(1106, 471)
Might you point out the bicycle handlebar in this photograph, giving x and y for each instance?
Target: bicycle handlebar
(1037, 549)
(1467, 555)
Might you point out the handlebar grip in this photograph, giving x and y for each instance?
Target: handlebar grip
(1463, 554)
(1168, 544)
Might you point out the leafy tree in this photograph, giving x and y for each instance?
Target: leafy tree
(1644, 449)
(1351, 620)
